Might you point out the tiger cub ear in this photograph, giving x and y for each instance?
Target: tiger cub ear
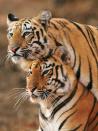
(62, 54)
(45, 17)
(70, 80)
(11, 18)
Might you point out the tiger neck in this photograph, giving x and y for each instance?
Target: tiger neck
(25, 65)
(67, 101)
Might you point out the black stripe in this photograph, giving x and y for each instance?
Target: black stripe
(55, 26)
(74, 56)
(75, 129)
(56, 70)
(72, 49)
(61, 67)
(63, 57)
(74, 104)
(65, 25)
(31, 38)
(45, 72)
(62, 84)
(42, 32)
(62, 24)
(41, 129)
(39, 43)
(50, 35)
(63, 122)
(93, 38)
(49, 54)
(93, 106)
(77, 101)
(90, 112)
(33, 89)
(48, 65)
(38, 35)
(56, 100)
(57, 43)
(80, 29)
(58, 107)
(89, 86)
(89, 35)
(93, 120)
(45, 39)
(95, 127)
(87, 40)
(79, 68)
(27, 22)
(42, 115)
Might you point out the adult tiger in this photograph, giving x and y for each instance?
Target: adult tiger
(38, 37)
(65, 104)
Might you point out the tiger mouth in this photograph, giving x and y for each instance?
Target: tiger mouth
(16, 56)
(34, 96)
(41, 94)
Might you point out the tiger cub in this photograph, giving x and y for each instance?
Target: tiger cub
(65, 104)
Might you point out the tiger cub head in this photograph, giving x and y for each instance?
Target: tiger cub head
(28, 37)
(49, 79)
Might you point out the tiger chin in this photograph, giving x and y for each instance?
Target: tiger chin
(65, 104)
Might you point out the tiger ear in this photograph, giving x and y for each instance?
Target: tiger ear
(45, 17)
(11, 18)
(62, 54)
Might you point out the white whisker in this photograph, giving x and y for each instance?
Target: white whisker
(19, 103)
(14, 96)
(21, 96)
(15, 93)
(17, 96)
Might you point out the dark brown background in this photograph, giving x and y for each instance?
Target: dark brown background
(26, 118)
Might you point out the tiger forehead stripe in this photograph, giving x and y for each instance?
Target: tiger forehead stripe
(25, 19)
(34, 22)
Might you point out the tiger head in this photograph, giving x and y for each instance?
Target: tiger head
(49, 79)
(28, 37)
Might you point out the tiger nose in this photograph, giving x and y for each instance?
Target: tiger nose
(14, 49)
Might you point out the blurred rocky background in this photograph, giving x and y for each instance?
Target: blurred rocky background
(26, 118)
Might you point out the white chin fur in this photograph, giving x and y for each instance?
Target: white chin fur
(32, 100)
(23, 64)
(16, 59)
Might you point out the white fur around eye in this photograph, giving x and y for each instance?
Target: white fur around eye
(26, 28)
(60, 90)
(9, 33)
